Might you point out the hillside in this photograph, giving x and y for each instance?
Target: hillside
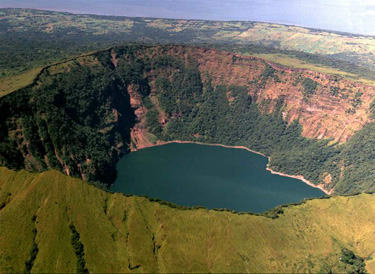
(302, 97)
(50, 125)
(294, 116)
(81, 115)
(78, 92)
(32, 38)
(51, 221)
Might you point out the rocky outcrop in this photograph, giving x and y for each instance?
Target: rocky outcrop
(327, 107)
(334, 110)
(100, 107)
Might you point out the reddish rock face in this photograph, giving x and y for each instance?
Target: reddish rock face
(337, 108)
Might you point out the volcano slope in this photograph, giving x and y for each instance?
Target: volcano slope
(81, 115)
(54, 223)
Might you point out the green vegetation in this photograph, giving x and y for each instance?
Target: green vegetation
(33, 38)
(152, 122)
(309, 87)
(15, 82)
(76, 120)
(180, 95)
(137, 234)
(34, 250)
(335, 91)
(354, 263)
(241, 123)
(76, 117)
(372, 109)
(268, 72)
(358, 161)
(356, 101)
(79, 250)
(198, 111)
(296, 59)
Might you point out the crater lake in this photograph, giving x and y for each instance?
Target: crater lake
(208, 176)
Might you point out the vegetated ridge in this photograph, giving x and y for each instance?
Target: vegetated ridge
(66, 225)
(32, 38)
(82, 115)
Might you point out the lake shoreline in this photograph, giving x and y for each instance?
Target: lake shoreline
(298, 177)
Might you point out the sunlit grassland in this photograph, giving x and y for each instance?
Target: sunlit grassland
(11, 83)
(291, 62)
(122, 233)
(309, 40)
(288, 61)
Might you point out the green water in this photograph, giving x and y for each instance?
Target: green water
(209, 176)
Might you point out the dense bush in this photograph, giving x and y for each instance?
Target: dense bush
(214, 120)
(354, 263)
(152, 122)
(78, 250)
(358, 161)
(72, 120)
(269, 72)
(372, 109)
(309, 87)
(33, 253)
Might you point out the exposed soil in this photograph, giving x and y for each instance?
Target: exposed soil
(328, 113)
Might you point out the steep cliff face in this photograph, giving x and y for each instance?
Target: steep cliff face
(333, 108)
(82, 115)
(328, 108)
(75, 117)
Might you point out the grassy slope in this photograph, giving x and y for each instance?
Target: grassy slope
(293, 62)
(15, 82)
(119, 233)
(289, 61)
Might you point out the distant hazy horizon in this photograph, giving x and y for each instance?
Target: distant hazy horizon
(354, 16)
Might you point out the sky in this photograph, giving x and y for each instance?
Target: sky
(355, 16)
